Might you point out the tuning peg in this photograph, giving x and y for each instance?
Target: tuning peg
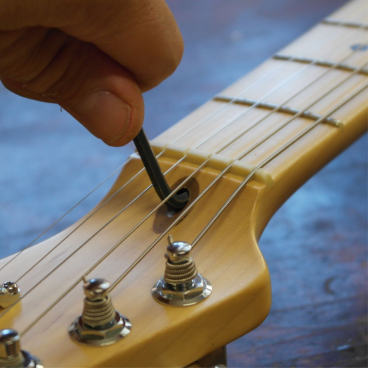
(10, 353)
(9, 294)
(181, 284)
(100, 324)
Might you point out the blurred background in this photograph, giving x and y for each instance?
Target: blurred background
(316, 245)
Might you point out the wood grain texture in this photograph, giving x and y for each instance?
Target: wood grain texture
(272, 357)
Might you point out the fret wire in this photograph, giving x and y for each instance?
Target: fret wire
(216, 112)
(342, 23)
(319, 62)
(266, 161)
(293, 58)
(297, 115)
(142, 194)
(257, 103)
(65, 214)
(285, 109)
(332, 67)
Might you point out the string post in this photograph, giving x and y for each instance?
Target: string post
(181, 284)
(11, 354)
(9, 294)
(99, 324)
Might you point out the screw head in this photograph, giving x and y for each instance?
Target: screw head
(177, 251)
(12, 287)
(96, 289)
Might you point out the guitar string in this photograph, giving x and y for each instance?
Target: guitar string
(245, 181)
(114, 217)
(129, 205)
(253, 106)
(270, 158)
(236, 97)
(130, 180)
(65, 214)
(264, 163)
(217, 178)
(105, 202)
(211, 115)
(135, 176)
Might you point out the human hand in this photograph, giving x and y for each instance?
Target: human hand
(92, 57)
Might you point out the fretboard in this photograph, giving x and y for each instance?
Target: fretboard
(320, 80)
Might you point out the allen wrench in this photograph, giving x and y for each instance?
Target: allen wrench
(179, 200)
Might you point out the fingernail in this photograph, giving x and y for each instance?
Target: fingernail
(104, 114)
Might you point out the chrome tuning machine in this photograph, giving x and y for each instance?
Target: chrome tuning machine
(10, 353)
(100, 324)
(9, 294)
(181, 285)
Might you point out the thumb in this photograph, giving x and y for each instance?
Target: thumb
(93, 88)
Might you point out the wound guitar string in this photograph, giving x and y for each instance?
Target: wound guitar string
(270, 158)
(217, 111)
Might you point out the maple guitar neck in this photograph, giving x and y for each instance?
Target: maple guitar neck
(272, 130)
(317, 80)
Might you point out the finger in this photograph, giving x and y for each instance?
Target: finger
(20, 90)
(140, 35)
(91, 86)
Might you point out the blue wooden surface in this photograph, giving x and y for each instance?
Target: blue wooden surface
(316, 245)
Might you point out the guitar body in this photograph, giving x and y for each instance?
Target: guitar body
(228, 254)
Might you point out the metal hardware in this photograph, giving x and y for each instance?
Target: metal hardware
(338, 22)
(280, 108)
(10, 353)
(9, 294)
(216, 359)
(320, 62)
(100, 324)
(179, 199)
(181, 285)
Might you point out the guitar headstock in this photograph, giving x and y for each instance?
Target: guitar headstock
(227, 257)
